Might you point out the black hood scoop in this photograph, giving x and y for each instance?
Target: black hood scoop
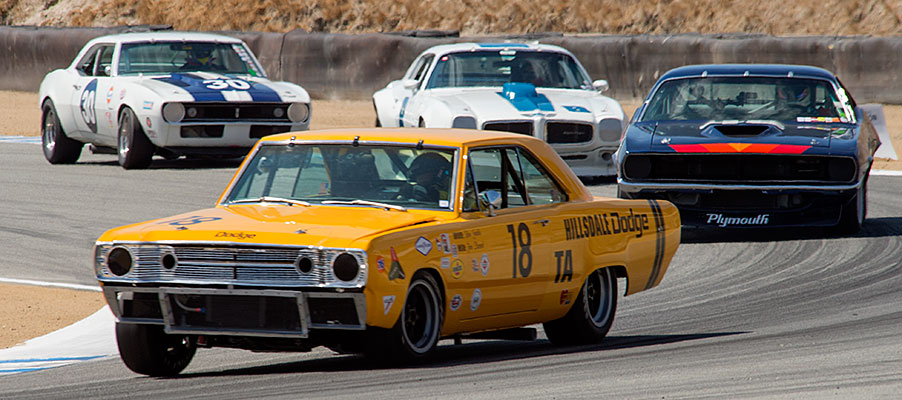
(742, 130)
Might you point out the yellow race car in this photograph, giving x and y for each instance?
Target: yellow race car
(382, 242)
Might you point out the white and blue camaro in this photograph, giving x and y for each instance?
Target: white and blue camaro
(164, 93)
(534, 89)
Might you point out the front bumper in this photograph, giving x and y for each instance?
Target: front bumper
(748, 206)
(594, 162)
(237, 312)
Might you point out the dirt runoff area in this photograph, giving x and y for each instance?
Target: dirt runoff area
(23, 317)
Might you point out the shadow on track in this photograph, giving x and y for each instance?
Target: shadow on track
(483, 351)
(182, 163)
(872, 228)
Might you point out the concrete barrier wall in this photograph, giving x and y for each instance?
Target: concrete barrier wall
(354, 66)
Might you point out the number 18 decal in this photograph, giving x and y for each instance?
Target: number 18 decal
(220, 84)
(523, 258)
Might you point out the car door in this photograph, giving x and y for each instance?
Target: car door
(407, 92)
(90, 91)
(510, 251)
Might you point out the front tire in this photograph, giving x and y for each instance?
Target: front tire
(135, 149)
(415, 335)
(147, 350)
(591, 316)
(854, 214)
(58, 148)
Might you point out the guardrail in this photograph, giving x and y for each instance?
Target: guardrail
(354, 66)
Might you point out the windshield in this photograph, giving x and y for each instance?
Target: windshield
(749, 98)
(342, 174)
(177, 57)
(495, 68)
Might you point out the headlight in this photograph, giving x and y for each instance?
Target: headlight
(299, 112)
(345, 267)
(609, 130)
(173, 112)
(119, 260)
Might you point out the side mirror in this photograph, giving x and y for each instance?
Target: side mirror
(410, 84)
(107, 70)
(600, 85)
(490, 199)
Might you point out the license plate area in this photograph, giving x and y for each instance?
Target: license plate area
(234, 312)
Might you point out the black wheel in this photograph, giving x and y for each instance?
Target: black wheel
(147, 350)
(417, 331)
(58, 148)
(135, 149)
(591, 316)
(854, 213)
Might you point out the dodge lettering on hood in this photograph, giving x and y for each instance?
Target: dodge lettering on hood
(382, 242)
(742, 146)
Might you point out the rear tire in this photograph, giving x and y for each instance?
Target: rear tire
(135, 149)
(415, 335)
(591, 316)
(147, 350)
(58, 148)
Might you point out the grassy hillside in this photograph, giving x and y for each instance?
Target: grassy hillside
(475, 17)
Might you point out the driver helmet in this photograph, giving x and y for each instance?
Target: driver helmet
(431, 165)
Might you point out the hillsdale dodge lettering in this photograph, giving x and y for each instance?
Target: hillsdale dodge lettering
(604, 224)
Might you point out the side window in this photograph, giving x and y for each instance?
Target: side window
(105, 62)
(422, 66)
(539, 185)
(86, 65)
(493, 169)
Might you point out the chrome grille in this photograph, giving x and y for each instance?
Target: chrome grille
(232, 265)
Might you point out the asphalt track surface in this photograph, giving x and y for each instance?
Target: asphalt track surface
(741, 314)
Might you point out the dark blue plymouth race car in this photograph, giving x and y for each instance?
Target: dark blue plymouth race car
(750, 146)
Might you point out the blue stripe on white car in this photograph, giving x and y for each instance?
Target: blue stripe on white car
(222, 88)
(523, 97)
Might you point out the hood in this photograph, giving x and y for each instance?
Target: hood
(328, 226)
(211, 87)
(523, 100)
(737, 136)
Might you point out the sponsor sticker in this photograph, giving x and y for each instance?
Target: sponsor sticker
(457, 269)
(387, 302)
(122, 94)
(149, 124)
(446, 243)
(484, 264)
(476, 299)
(455, 302)
(147, 105)
(380, 263)
(423, 245)
(475, 265)
(453, 250)
(109, 95)
(395, 271)
(565, 297)
(446, 262)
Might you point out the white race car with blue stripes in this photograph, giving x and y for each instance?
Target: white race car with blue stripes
(165, 93)
(534, 89)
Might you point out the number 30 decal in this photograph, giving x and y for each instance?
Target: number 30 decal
(523, 258)
(220, 84)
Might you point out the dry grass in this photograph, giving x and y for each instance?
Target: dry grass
(472, 17)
